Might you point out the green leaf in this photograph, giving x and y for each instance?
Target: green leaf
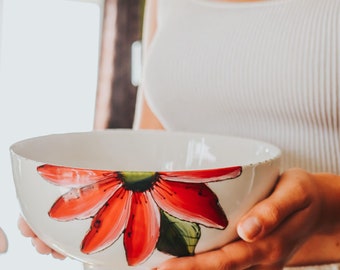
(177, 237)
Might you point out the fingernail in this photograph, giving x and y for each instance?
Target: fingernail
(249, 228)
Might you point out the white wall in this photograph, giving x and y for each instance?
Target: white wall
(1, 22)
(48, 81)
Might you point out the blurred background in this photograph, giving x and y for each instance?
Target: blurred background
(65, 66)
(49, 56)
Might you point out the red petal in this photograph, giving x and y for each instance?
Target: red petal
(109, 223)
(203, 176)
(67, 176)
(190, 202)
(84, 202)
(142, 232)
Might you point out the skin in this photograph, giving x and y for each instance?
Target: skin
(3, 242)
(298, 224)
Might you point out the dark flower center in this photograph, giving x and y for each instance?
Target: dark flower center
(138, 181)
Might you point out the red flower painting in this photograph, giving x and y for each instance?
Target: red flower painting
(150, 210)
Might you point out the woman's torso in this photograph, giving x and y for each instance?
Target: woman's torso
(267, 70)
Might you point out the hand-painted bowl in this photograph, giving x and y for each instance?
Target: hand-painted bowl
(124, 199)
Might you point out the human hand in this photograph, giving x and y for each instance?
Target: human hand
(3, 242)
(271, 232)
(39, 245)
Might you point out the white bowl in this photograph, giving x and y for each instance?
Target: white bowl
(124, 199)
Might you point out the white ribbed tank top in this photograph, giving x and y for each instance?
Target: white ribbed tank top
(267, 70)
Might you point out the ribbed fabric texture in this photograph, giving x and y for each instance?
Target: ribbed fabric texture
(267, 70)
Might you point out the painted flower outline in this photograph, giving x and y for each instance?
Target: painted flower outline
(134, 204)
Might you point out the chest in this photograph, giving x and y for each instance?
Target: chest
(257, 58)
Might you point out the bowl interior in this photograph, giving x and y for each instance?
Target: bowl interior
(127, 150)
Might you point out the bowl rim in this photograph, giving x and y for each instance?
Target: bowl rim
(276, 152)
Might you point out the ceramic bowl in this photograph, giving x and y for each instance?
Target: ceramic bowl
(124, 199)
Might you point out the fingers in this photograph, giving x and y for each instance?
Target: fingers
(42, 248)
(288, 197)
(273, 230)
(24, 228)
(3, 242)
(271, 252)
(237, 255)
(58, 255)
(261, 267)
(39, 245)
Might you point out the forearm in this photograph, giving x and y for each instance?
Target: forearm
(144, 117)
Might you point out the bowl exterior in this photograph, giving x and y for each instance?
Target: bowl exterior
(233, 196)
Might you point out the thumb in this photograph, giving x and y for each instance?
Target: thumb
(3, 242)
(288, 197)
